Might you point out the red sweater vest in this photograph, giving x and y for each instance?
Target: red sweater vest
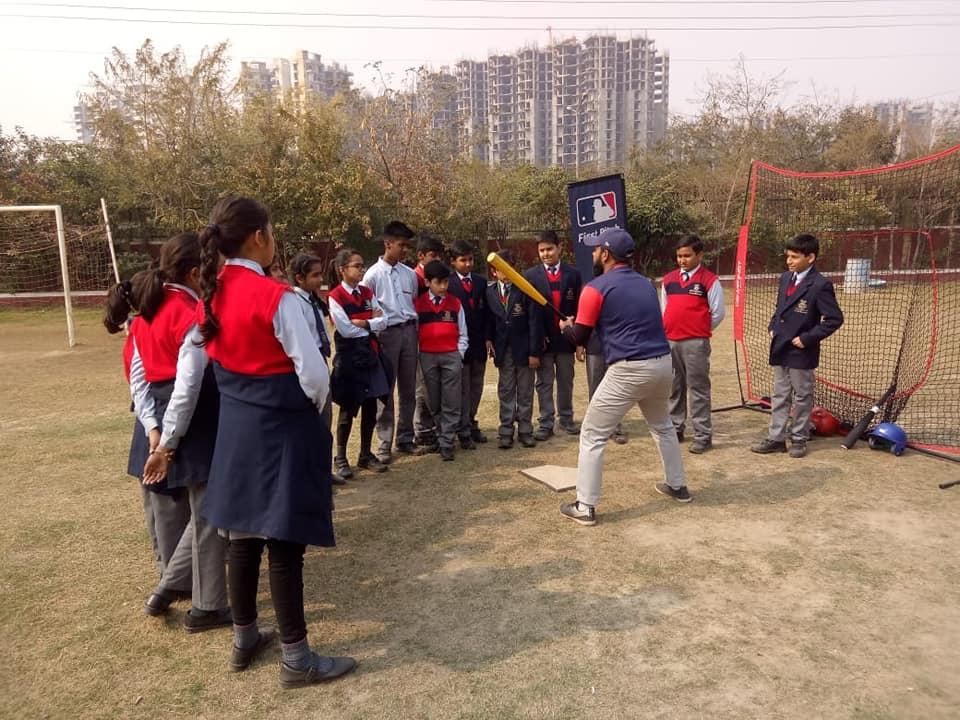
(439, 324)
(245, 303)
(688, 307)
(159, 340)
(127, 356)
(356, 308)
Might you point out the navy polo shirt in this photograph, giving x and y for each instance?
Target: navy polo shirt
(623, 309)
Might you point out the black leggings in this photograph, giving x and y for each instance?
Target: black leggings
(286, 583)
(368, 421)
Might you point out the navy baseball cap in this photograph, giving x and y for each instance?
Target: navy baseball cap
(616, 240)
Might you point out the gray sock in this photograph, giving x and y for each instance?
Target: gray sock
(246, 636)
(299, 656)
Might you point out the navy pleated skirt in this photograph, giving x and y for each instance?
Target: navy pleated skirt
(270, 473)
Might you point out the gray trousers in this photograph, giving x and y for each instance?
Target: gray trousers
(645, 383)
(168, 519)
(789, 382)
(555, 368)
(471, 389)
(399, 345)
(423, 424)
(596, 368)
(441, 375)
(515, 392)
(202, 555)
(691, 376)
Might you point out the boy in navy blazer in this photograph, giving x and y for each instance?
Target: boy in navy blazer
(560, 284)
(513, 338)
(470, 289)
(807, 313)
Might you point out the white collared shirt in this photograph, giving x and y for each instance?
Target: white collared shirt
(802, 275)
(319, 332)
(342, 321)
(395, 288)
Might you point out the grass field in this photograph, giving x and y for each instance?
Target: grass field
(822, 587)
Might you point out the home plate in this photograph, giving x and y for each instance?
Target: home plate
(554, 477)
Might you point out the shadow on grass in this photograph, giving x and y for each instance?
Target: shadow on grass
(444, 590)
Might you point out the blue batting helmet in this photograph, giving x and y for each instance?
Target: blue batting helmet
(888, 436)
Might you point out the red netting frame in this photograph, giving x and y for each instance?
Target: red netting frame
(890, 242)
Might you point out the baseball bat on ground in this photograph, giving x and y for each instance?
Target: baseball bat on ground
(950, 484)
(521, 282)
(851, 439)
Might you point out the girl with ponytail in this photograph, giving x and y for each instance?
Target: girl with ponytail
(192, 551)
(270, 485)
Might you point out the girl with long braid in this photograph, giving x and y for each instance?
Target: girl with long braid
(270, 481)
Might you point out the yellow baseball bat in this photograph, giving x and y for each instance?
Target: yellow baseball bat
(520, 281)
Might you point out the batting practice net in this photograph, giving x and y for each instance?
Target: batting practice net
(890, 243)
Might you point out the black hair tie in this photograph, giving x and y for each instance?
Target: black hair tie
(126, 287)
(213, 229)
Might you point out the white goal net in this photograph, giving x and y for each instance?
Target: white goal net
(41, 259)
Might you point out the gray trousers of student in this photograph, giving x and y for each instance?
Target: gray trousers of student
(596, 368)
(787, 383)
(423, 424)
(471, 389)
(167, 518)
(515, 392)
(441, 375)
(691, 377)
(201, 554)
(555, 368)
(645, 383)
(399, 345)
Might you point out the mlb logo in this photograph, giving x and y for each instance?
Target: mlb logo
(595, 209)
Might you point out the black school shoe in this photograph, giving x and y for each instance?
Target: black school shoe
(200, 620)
(505, 442)
(543, 433)
(336, 667)
(527, 441)
(240, 659)
(477, 436)
(161, 599)
(767, 446)
(467, 443)
(446, 453)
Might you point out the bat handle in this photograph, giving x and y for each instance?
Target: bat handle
(945, 485)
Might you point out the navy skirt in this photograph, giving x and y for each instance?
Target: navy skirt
(270, 473)
(191, 461)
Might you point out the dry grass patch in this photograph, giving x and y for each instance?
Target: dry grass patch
(824, 587)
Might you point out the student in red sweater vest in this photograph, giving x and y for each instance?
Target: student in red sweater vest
(692, 301)
(443, 343)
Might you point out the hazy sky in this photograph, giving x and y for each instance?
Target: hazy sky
(833, 46)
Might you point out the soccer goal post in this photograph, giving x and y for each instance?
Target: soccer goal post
(42, 260)
(890, 243)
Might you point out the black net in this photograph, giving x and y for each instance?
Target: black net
(890, 242)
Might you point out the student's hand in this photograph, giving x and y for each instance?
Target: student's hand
(378, 312)
(154, 439)
(534, 362)
(490, 350)
(797, 342)
(772, 334)
(581, 353)
(158, 463)
(566, 322)
(362, 324)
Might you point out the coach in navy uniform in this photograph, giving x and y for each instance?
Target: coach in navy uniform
(621, 306)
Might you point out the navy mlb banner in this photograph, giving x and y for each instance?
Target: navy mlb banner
(595, 205)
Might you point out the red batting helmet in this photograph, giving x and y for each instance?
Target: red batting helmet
(824, 422)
